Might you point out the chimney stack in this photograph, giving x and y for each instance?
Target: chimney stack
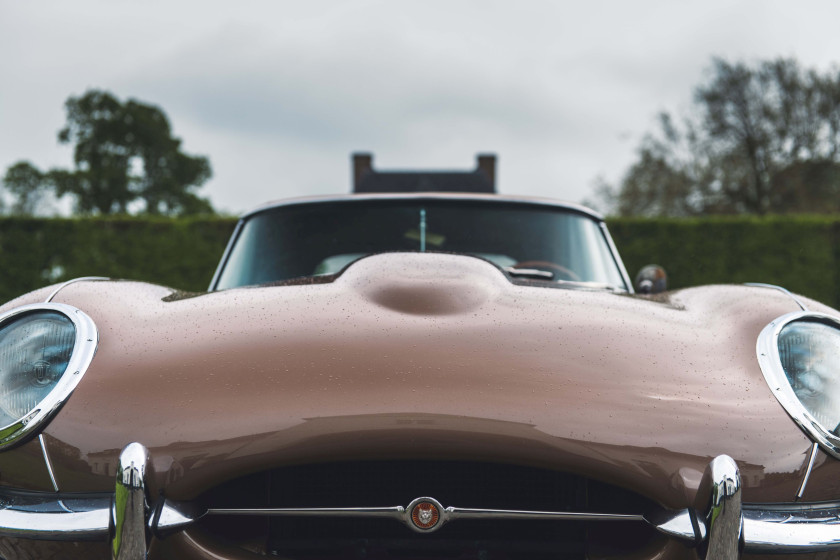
(366, 179)
(487, 165)
(362, 165)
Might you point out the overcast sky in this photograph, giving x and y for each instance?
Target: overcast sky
(278, 94)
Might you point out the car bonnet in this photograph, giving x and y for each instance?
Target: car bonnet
(434, 356)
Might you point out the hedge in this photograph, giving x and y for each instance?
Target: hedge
(180, 253)
(801, 253)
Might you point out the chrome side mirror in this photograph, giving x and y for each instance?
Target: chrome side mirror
(651, 279)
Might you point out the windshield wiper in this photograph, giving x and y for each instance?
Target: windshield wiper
(538, 274)
(530, 273)
(595, 286)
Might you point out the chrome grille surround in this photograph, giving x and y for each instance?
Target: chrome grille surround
(722, 529)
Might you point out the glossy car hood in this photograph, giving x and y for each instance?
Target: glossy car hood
(431, 356)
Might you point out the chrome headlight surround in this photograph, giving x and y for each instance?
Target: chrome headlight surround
(84, 349)
(770, 361)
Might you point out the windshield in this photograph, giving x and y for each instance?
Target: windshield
(527, 240)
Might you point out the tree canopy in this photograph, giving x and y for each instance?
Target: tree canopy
(125, 157)
(26, 184)
(763, 138)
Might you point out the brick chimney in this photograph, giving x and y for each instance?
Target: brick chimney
(366, 179)
(487, 165)
(362, 164)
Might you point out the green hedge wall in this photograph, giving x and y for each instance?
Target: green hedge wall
(179, 253)
(801, 253)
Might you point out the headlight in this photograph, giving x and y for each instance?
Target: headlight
(44, 351)
(799, 354)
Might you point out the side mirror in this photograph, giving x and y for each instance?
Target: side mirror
(651, 279)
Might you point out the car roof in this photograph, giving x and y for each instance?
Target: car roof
(491, 198)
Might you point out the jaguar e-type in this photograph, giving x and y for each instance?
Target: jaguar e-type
(422, 375)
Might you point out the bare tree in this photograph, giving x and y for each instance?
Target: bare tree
(763, 139)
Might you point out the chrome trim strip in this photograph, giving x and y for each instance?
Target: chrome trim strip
(771, 531)
(493, 198)
(59, 526)
(767, 351)
(812, 456)
(84, 348)
(617, 258)
(130, 510)
(464, 513)
(47, 461)
(791, 531)
(42, 515)
(73, 281)
(226, 255)
(403, 514)
(779, 288)
(395, 512)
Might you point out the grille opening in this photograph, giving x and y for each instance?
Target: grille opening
(459, 484)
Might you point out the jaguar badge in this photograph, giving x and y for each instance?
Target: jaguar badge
(424, 514)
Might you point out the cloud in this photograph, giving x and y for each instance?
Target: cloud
(278, 94)
(245, 82)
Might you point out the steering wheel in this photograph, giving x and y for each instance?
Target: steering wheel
(560, 272)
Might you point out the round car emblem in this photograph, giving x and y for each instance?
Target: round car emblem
(425, 515)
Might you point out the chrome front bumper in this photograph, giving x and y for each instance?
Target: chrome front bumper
(718, 524)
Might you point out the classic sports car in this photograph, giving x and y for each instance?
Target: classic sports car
(418, 376)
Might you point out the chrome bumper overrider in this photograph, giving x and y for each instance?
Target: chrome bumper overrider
(718, 525)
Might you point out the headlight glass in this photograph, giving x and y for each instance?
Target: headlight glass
(35, 351)
(809, 352)
(45, 350)
(799, 355)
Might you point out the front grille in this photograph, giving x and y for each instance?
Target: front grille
(392, 483)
